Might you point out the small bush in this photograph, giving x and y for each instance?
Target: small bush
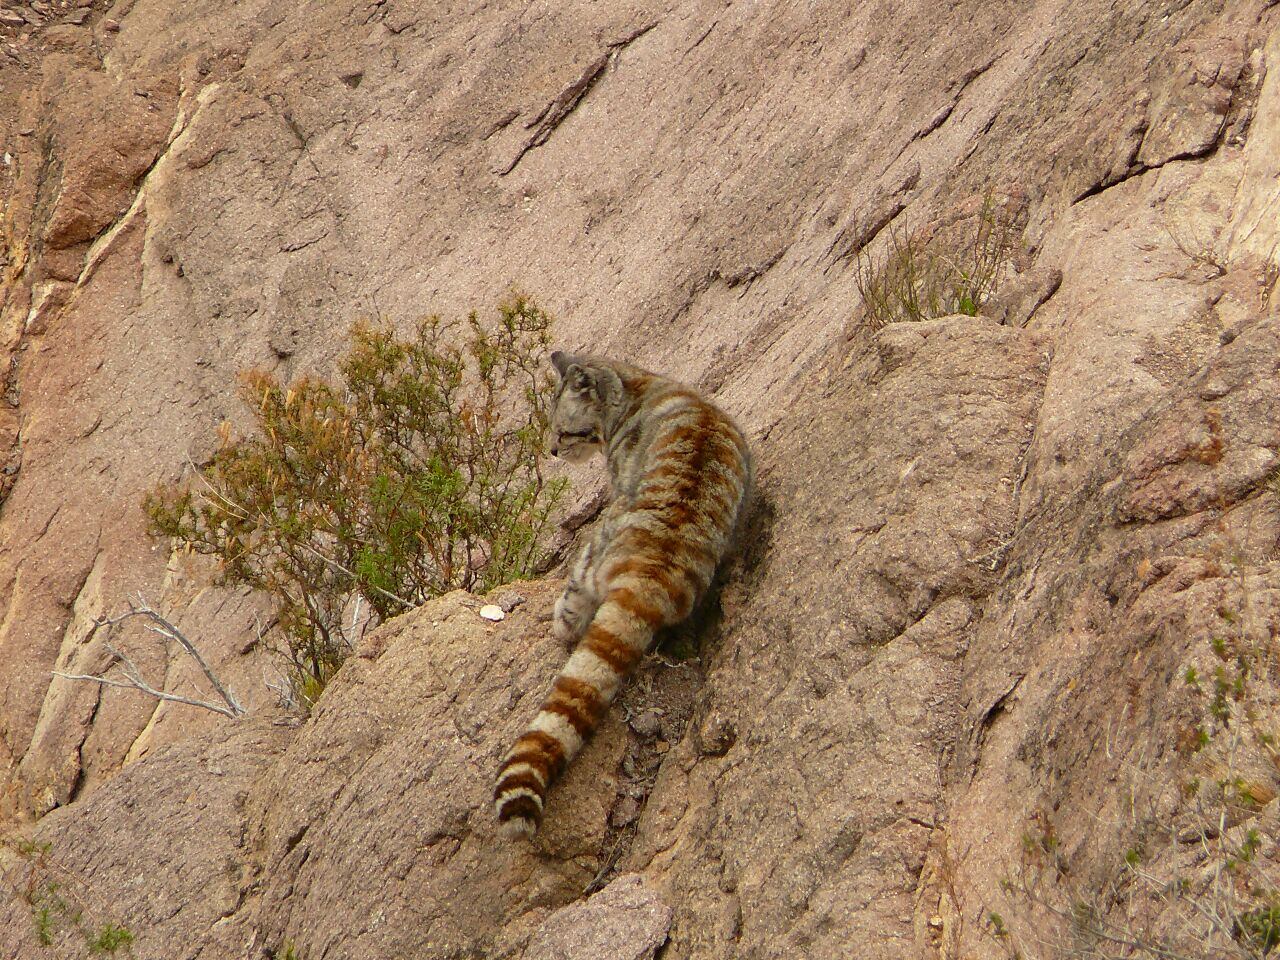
(110, 939)
(409, 478)
(1260, 929)
(924, 275)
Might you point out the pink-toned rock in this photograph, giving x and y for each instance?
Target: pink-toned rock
(986, 552)
(626, 920)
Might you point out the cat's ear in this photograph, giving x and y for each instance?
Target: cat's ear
(579, 379)
(561, 361)
(575, 376)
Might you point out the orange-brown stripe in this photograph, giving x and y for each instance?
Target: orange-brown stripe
(636, 383)
(670, 575)
(580, 692)
(664, 471)
(606, 645)
(637, 565)
(646, 541)
(677, 390)
(690, 433)
(738, 440)
(665, 544)
(539, 761)
(707, 438)
(726, 455)
(716, 512)
(540, 750)
(665, 499)
(572, 711)
(672, 580)
(638, 607)
(675, 515)
(681, 595)
(625, 565)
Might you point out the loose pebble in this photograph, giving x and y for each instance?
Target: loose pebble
(509, 600)
(646, 724)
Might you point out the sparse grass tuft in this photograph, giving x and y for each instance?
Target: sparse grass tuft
(110, 939)
(1273, 482)
(923, 275)
(1200, 880)
(1260, 929)
(997, 925)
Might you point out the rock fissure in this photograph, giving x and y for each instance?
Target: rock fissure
(558, 109)
(1133, 170)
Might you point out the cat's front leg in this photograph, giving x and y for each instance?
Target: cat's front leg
(578, 601)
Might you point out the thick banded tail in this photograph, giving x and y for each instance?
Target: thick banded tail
(618, 637)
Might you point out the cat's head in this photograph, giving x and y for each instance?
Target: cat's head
(581, 416)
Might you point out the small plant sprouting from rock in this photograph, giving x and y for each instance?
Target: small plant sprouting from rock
(996, 924)
(1200, 880)
(1260, 928)
(414, 475)
(925, 274)
(110, 939)
(59, 901)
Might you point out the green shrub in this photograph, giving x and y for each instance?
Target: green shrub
(110, 939)
(1199, 881)
(1260, 929)
(409, 478)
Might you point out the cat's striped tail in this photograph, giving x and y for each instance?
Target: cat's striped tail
(618, 637)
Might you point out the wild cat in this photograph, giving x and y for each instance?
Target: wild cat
(680, 473)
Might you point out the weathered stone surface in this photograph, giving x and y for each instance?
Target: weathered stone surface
(379, 818)
(375, 815)
(1113, 592)
(626, 920)
(847, 652)
(174, 823)
(986, 552)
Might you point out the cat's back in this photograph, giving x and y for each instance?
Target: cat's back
(689, 467)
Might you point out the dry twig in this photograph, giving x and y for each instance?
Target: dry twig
(157, 624)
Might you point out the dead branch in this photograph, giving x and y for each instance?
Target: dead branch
(157, 624)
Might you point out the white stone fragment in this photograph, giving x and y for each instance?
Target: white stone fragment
(491, 611)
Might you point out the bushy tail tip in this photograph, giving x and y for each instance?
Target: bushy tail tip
(519, 809)
(519, 828)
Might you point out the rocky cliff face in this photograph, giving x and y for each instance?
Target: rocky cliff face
(957, 647)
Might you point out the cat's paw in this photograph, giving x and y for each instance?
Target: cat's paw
(564, 625)
(564, 632)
